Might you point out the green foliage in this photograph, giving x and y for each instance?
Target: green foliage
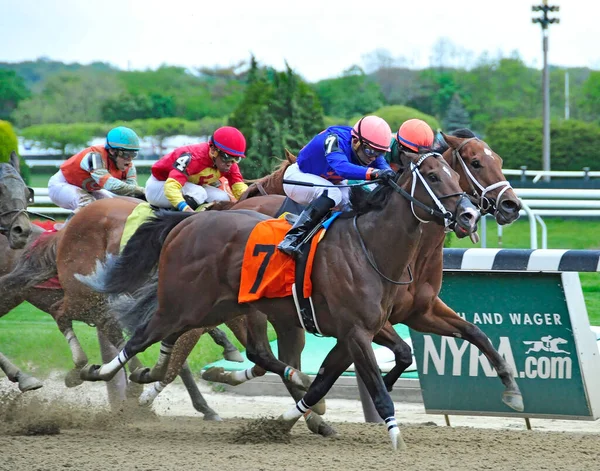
(279, 111)
(61, 136)
(329, 121)
(574, 144)
(68, 97)
(589, 100)
(128, 107)
(8, 144)
(396, 115)
(12, 91)
(353, 93)
(8, 141)
(456, 116)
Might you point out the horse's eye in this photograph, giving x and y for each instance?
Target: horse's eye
(475, 164)
(432, 177)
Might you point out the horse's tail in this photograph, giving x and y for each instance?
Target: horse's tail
(36, 264)
(134, 310)
(130, 270)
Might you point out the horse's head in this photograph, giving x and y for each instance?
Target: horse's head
(432, 182)
(271, 184)
(481, 177)
(14, 196)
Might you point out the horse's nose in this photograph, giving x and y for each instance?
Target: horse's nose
(469, 217)
(510, 206)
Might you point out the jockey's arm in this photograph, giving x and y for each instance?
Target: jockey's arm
(173, 192)
(119, 187)
(236, 181)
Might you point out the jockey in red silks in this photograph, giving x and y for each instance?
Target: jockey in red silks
(191, 174)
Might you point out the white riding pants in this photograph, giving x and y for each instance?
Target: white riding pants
(72, 197)
(304, 195)
(155, 193)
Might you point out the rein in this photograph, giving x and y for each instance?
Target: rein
(5, 229)
(487, 205)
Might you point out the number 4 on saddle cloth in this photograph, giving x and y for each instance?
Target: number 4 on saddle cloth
(270, 273)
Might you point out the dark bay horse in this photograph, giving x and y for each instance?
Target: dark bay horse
(199, 282)
(417, 305)
(17, 231)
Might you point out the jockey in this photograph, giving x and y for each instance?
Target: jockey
(191, 174)
(98, 172)
(414, 135)
(329, 159)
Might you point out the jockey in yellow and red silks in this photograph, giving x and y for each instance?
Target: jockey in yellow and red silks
(194, 171)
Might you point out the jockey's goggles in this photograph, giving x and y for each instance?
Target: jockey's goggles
(229, 158)
(372, 153)
(128, 155)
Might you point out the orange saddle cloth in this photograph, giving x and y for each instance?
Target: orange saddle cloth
(268, 272)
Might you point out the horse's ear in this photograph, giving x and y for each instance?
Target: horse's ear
(14, 161)
(408, 157)
(291, 158)
(452, 141)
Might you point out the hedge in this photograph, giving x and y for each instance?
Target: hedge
(10, 143)
(573, 144)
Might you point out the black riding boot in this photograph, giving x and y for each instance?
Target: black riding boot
(307, 221)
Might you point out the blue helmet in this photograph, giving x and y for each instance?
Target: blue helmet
(122, 138)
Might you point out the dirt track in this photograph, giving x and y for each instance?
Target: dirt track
(92, 439)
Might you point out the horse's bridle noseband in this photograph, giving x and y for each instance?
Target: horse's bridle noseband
(485, 204)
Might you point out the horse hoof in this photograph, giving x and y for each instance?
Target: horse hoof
(317, 425)
(29, 383)
(216, 374)
(141, 376)
(87, 373)
(213, 416)
(514, 400)
(73, 378)
(233, 355)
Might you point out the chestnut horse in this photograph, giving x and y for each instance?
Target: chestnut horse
(417, 305)
(199, 282)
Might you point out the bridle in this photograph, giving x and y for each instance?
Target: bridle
(439, 211)
(5, 229)
(486, 205)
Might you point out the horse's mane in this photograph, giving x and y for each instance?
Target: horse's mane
(271, 183)
(364, 201)
(441, 146)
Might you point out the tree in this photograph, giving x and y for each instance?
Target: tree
(12, 91)
(279, 110)
(456, 116)
(128, 106)
(66, 137)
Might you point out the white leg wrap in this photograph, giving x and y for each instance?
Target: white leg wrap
(296, 412)
(243, 376)
(151, 393)
(115, 365)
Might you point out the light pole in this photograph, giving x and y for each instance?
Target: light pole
(544, 21)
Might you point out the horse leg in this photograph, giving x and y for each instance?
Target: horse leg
(290, 343)
(442, 320)
(116, 386)
(230, 353)
(25, 381)
(79, 357)
(178, 365)
(388, 337)
(154, 330)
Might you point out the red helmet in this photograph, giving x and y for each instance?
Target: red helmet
(229, 140)
(415, 133)
(373, 131)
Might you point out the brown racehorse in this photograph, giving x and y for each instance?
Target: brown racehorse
(199, 282)
(417, 306)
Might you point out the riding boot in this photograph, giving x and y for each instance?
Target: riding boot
(308, 219)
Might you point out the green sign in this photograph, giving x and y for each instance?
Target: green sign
(529, 320)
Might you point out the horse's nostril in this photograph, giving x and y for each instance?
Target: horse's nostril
(510, 206)
(18, 230)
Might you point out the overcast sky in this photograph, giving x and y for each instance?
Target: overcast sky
(318, 38)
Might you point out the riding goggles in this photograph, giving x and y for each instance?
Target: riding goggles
(372, 153)
(229, 158)
(127, 155)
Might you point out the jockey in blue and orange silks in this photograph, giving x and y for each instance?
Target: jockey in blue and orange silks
(98, 172)
(193, 172)
(337, 154)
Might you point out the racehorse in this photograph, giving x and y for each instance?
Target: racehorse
(17, 230)
(417, 305)
(102, 222)
(199, 282)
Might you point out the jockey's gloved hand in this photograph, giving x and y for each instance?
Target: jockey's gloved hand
(139, 192)
(384, 174)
